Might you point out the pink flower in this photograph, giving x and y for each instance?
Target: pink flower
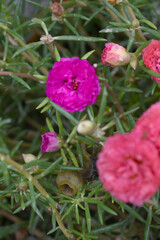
(73, 84)
(151, 57)
(50, 142)
(148, 125)
(129, 168)
(114, 55)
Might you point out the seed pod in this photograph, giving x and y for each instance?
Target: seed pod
(69, 182)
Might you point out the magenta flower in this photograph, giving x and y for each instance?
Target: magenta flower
(50, 142)
(129, 168)
(114, 55)
(148, 125)
(73, 84)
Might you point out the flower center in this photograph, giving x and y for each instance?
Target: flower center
(75, 84)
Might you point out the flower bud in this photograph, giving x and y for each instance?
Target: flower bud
(69, 182)
(115, 55)
(50, 142)
(57, 9)
(86, 127)
(29, 157)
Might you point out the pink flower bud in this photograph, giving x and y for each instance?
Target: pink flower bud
(115, 55)
(50, 142)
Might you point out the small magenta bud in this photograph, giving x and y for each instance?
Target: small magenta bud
(50, 142)
(86, 127)
(115, 55)
(29, 157)
(69, 182)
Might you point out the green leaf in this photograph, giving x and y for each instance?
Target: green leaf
(119, 24)
(115, 11)
(46, 108)
(107, 209)
(150, 72)
(5, 171)
(114, 30)
(41, 77)
(33, 199)
(77, 213)
(43, 103)
(152, 32)
(70, 209)
(119, 125)
(129, 89)
(88, 54)
(53, 220)
(50, 168)
(21, 81)
(60, 125)
(49, 125)
(109, 228)
(139, 50)
(149, 23)
(94, 14)
(102, 105)
(69, 25)
(15, 149)
(65, 113)
(100, 214)
(135, 9)
(133, 213)
(72, 168)
(73, 158)
(39, 5)
(76, 15)
(88, 217)
(147, 225)
(79, 151)
(56, 53)
(79, 38)
(130, 40)
(72, 134)
(26, 47)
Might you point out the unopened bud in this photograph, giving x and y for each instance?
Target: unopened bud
(135, 24)
(86, 127)
(57, 10)
(50, 142)
(115, 55)
(29, 157)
